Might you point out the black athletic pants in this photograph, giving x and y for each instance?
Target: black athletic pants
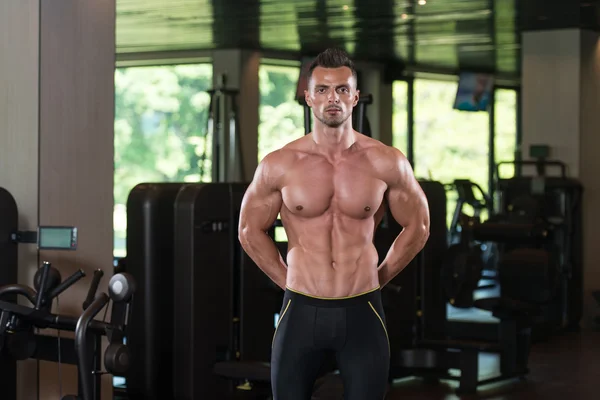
(354, 328)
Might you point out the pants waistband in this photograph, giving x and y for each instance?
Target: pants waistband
(357, 299)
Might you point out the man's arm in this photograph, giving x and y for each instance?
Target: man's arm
(260, 206)
(409, 207)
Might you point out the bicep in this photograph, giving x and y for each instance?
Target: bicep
(260, 208)
(262, 201)
(406, 200)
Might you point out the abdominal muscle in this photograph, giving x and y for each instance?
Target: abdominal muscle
(331, 256)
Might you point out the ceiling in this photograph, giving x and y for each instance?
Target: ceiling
(426, 35)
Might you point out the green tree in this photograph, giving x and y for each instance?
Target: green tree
(160, 130)
(451, 144)
(281, 116)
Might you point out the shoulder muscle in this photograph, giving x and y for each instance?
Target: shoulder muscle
(391, 165)
(270, 171)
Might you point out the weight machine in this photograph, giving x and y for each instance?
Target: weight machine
(223, 133)
(18, 339)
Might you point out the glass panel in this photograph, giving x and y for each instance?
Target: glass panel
(449, 144)
(281, 116)
(400, 116)
(160, 129)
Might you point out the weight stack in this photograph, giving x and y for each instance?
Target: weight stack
(418, 311)
(551, 199)
(224, 304)
(150, 260)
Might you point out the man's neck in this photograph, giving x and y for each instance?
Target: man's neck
(333, 141)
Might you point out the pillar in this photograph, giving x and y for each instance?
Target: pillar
(560, 102)
(56, 149)
(241, 70)
(380, 113)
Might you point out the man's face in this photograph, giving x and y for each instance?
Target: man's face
(332, 95)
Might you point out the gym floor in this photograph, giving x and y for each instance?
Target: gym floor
(564, 367)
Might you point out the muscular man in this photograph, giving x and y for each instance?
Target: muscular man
(331, 187)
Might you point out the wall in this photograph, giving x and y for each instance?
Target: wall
(589, 164)
(561, 99)
(551, 94)
(19, 136)
(56, 147)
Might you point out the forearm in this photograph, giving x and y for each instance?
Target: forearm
(262, 250)
(404, 249)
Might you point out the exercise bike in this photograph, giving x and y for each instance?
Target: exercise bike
(19, 341)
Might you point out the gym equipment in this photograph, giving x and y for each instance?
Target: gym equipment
(9, 225)
(465, 190)
(360, 122)
(20, 342)
(433, 358)
(45, 237)
(216, 281)
(596, 295)
(433, 351)
(150, 229)
(461, 272)
(552, 207)
(223, 133)
(418, 310)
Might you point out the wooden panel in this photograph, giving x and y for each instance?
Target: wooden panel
(19, 138)
(76, 156)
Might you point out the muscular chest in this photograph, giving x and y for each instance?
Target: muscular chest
(312, 189)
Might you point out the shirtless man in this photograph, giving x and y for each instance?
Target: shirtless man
(330, 187)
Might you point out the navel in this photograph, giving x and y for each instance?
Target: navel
(299, 208)
(367, 208)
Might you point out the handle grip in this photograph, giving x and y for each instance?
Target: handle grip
(67, 283)
(98, 274)
(43, 281)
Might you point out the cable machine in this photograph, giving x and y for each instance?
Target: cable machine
(223, 134)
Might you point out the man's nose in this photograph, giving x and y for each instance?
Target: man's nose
(333, 97)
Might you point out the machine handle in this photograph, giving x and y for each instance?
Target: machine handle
(83, 360)
(67, 283)
(16, 288)
(43, 282)
(98, 274)
(540, 164)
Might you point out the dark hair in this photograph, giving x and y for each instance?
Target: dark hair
(332, 58)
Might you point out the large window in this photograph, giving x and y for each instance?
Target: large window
(281, 116)
(160, 129)
(448, 144)
(400, 116)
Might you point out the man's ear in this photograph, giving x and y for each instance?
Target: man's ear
(307, 98)
(356, 97)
